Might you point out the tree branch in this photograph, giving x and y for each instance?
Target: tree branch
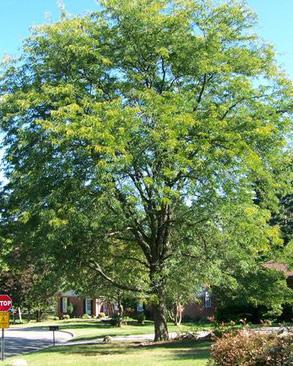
(97, 268)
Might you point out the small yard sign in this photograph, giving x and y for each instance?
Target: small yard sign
(54, 328)
(4, 319)
(5, 306)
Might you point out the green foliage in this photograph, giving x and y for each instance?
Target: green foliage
(252, 349)
(140, 317)
(228, 328)
(70, 310)
(287, 254)
(86, 316)
(116, 320)
(255, 296)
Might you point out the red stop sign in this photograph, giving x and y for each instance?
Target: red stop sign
(5, 302)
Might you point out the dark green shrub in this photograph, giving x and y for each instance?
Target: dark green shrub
(70, 310)
(116, 320)
(232, 327)
(187, 319)
(236, 312)
(247, 348)
(130, 312)
(140, 317)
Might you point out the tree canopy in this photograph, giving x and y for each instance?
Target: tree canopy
(135, 138)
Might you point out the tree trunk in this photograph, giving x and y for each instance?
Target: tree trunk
(178, 315)
(161, 329)
(159, 307)
(19, 315)
(120, 313)
(157, 261)
(159, 313)
(38, 315)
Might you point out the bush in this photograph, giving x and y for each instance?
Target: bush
(222, 328)
(187, 319)
(66, 316)
(70, 310)
(116, 320)
(237, 312)
(101, 315)
(140, 317)
(248, 348)
(129, 312)
(86, 316)
(44, 316)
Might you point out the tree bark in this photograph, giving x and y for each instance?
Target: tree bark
(20, 315)
(160, 322)
(38, 316)
(159, 306)
(120, 313)
(178, 310)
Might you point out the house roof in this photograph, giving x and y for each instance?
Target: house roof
(282, 267)
(69, 293)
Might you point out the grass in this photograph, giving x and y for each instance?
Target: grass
(122, 354)
(91, 329)
(184, 353)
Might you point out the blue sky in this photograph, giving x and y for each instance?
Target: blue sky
(17, 16)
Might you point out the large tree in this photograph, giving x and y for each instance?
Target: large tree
(134, 137)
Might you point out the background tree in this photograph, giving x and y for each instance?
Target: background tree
(134, 137)
(256, 296)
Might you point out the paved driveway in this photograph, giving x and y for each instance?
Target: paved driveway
(25, 340)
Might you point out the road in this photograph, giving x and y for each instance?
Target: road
(24, 340)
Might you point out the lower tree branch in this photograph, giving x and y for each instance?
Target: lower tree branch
(97, 268)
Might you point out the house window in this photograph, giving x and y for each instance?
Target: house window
(64, 304)
(207, 300)
(139, 307)
(104, 308)
(88, 306)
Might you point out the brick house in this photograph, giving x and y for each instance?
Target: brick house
(78, 305)
(203, 309)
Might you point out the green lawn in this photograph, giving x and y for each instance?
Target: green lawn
(91, 329)
(123, 354)
(118, 354)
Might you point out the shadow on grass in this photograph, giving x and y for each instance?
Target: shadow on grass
(194, 351)
(186, 350)
(87, 350)
(183, 350)
(199, 345)
(102, 335)
(100, 324)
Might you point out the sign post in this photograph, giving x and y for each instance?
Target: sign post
(53, 328)
(2, 345)
(5, 305)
